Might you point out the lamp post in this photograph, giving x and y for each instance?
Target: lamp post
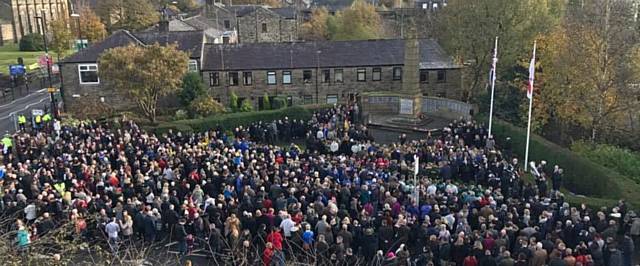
(43, 23)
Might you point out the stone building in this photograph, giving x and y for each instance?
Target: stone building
(255, 23)
(324, 72)
(82, 81)
(18, 17)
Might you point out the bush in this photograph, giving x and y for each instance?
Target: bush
(623, 161)
(279, 103)
(181, 114)
(31, 43)
(580, 176)
(192, 88)
(205, 106)
(233, 102)
(246, 106)
(266, 104)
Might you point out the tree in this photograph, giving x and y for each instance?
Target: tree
(91, 27)
(31, 42)
(61, 36)
(127, 14)
(592, 69)
(360, 21)
(316, 28)
(467, 30)
(192, 88)
(144, 73)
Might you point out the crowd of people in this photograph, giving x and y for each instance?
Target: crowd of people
(342, 199)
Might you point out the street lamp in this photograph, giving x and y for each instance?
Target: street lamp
(43, 23)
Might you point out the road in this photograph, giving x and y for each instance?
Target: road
(34, 100)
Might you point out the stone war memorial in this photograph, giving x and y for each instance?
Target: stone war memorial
(409, 109)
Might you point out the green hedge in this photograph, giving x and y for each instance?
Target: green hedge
(622, 160)
(581, 175)
(232, 120)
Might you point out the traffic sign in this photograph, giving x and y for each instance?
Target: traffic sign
(36, 112)
(52, 90)
(16, 70)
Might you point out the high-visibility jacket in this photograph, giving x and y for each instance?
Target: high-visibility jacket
(46, 118)
(22, 119)
(7, 142)
(38, 119)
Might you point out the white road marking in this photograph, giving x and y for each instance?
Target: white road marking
(12, 102)
(25, 108)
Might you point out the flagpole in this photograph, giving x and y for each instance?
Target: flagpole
(493, 83)
(415, 179)
(530, 96)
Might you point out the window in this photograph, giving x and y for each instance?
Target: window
(233, 78)
(424, 76)
(442, 76)
(362, 74)
(271, 77)
(326, 76)
(306, 76)
(227, 24)
(193, 66)
(286, 77)
(338, 75)
(214, 79)
(397, 73)
(88, 74)
(376, 74)
(332, 98)
(247, 77)
(264, 27)
(308, 99)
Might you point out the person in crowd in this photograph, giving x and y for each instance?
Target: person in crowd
(343, 199)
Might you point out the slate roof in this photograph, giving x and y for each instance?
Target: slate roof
(261, 56)
(243, 10)
(190, 41)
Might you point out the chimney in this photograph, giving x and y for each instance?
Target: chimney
(163, 26)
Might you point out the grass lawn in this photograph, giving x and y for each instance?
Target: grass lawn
(9, 54)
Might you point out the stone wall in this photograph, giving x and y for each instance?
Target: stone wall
(389, 104)
(25, 11)
(265, 26)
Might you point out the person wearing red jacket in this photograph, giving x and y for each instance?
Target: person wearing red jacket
(267, 255)
(275, 238)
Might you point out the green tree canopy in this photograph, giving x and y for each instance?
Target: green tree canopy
(128, 14)
(144, 73)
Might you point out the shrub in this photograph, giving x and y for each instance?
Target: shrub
(32, 42)
(233, 102)
(181, 114)
(192, 88)
(206, 106)
(246, 106)
(624, 161)
(279, 103)
(266, 104)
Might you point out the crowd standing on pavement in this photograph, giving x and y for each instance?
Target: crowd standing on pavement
(340, 199)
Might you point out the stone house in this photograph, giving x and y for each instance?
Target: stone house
(19, 17)
(324, 72)
(81, 73)
(255, 23)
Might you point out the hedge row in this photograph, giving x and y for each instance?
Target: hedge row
(581, 175)
(229, 121)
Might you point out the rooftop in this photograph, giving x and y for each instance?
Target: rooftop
(257, 56)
